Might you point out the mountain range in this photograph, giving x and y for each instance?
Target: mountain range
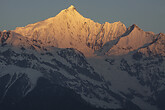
(69, 62)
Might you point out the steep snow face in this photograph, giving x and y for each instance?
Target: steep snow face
(156, 48)
(69, 29)
(107, 33)
(133, 39)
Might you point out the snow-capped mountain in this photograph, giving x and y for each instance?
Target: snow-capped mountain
(69, 29)
(72, 60)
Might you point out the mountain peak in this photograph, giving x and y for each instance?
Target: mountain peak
(71, 8)
(4, 31)
(135, 26)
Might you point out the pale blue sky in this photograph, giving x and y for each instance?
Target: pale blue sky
(147, 14)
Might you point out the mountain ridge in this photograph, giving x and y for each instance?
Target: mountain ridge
(87, 32)
(69, 29)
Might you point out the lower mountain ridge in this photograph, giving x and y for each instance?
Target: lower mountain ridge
(81, 65)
